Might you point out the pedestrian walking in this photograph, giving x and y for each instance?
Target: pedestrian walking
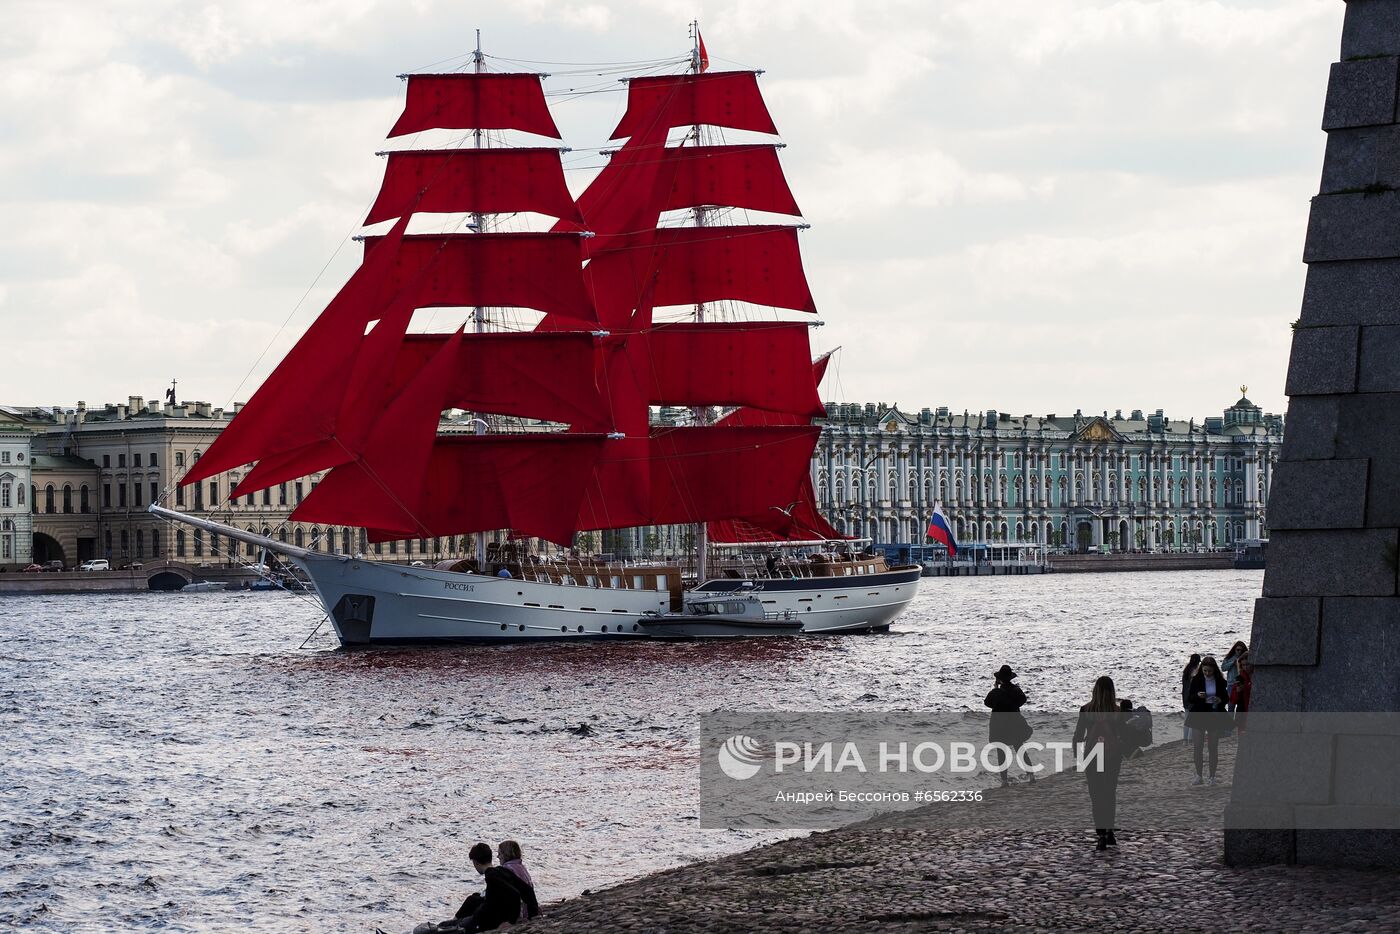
(1098, 726)
(1008, 725)
(1207, 717)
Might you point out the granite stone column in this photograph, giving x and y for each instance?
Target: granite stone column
(1326, 636)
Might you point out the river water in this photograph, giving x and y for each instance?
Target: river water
(181, 762)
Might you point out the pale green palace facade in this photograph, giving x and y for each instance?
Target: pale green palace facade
(1076, 481)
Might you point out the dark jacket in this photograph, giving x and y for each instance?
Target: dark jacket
(1007, 724)
(1199, 712)
(1186, 674)
(501, 902)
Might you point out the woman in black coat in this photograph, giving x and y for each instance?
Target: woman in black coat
(1008, 725)
(1206, 717)
(1100, 722)
(1192, 665)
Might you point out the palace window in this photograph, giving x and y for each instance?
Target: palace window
(179, 543)
(179, 495)
(4, 457)
(155, 491)
(49, 499)
(136, 462)
(121, 460)
(140, 543)
(199, 543)
(136, 492)
(19, 495)
(5, 496)
(153, 461)
(155, 543)
(107, 461)
(179, 458)
(213, 493)
(83, 504)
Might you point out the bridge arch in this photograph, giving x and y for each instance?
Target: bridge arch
(168, 575)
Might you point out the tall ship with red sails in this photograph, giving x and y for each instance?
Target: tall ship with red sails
(643, 292)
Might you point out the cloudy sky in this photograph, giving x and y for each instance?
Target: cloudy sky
(1027, 205)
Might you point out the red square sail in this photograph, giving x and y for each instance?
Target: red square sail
(516, 270)
(471, 101)
(718, 98)
(799, 521)
(766, 365)
(551, 376)
(645, 177)
(489, 181)
(697, 474)
(728, 176)
(758, 264)
(716, 472)
(531, 483)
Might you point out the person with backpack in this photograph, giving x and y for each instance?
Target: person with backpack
(1098, 726)
(1206, 716)
(1007, 725)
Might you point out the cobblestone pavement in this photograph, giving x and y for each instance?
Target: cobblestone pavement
(911, 874)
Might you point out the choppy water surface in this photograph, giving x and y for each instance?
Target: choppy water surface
(178, 762)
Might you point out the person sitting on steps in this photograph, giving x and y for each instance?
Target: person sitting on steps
(501, 902)
(508, 855)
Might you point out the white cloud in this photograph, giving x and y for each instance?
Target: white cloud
(1065, 203)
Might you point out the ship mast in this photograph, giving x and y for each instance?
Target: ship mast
(479, 313)
(701, 413)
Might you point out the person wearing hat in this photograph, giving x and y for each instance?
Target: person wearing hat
(1008, 725)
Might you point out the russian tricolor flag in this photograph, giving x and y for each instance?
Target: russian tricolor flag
(941, 530)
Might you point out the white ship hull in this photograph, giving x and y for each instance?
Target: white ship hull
(379, 602)
(375, 602)
(371, 601)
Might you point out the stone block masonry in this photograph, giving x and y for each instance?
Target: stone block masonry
(1327, 632)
